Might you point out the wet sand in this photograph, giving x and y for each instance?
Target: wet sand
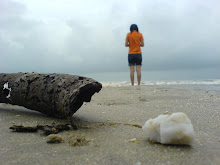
(110, 120)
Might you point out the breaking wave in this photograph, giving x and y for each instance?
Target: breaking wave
(214, 82)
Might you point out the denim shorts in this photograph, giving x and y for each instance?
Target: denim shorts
(134, 59)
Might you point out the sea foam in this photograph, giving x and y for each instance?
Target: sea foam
(213, 82)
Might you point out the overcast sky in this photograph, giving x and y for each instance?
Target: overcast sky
(87, 36)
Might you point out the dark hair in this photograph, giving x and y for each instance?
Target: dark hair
(133, 27)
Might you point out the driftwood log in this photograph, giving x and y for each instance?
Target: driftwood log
(58, 95)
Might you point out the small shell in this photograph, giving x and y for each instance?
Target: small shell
(133, 140)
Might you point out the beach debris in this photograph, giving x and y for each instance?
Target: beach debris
(78, 140)
(47, 129)
(53, 129)
(170, 129)
(134, 125)
(54, 138)
(108, 124)
(21, 128)
(58, 95)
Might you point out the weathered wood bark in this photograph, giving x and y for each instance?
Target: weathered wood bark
(59, 95)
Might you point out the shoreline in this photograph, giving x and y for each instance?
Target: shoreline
(107, 122)
(184, 83)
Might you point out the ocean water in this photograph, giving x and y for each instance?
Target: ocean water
(117, 79)
(213, 82)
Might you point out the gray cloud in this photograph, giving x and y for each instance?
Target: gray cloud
(88, 37)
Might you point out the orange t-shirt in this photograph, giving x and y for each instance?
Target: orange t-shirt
(134, 40)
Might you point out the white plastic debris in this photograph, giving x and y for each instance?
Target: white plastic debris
(170, 129)
(5, 85)
(7, 88)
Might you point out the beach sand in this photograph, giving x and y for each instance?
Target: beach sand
(110, 123)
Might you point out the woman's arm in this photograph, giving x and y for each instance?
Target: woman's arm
(142, 43)
(126, 43)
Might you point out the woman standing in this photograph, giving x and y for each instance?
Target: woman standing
(134, 40)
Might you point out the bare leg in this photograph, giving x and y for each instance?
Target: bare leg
(138, 69)
(132, 75)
